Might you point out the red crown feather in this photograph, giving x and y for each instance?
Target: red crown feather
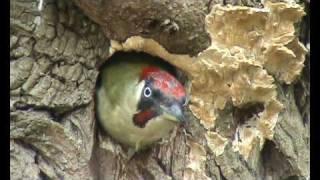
(164, 81)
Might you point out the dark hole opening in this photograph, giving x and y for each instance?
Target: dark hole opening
(275, 162)
(244, 113)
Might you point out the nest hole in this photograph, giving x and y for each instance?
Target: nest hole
(138, 56)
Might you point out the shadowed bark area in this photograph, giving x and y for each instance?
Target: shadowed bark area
(54, 53)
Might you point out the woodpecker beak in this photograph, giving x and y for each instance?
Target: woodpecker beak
(174, 112)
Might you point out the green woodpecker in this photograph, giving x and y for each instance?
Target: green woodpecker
(138, 100)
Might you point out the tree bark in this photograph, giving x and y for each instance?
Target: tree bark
(57, 46)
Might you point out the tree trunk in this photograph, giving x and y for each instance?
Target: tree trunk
(247, 76)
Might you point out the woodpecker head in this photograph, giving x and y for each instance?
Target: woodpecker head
(162, 95)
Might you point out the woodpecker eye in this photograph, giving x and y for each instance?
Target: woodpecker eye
(147, 92)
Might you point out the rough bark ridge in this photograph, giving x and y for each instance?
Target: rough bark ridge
(249, 115)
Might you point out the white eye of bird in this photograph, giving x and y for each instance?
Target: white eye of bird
(147, 92)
